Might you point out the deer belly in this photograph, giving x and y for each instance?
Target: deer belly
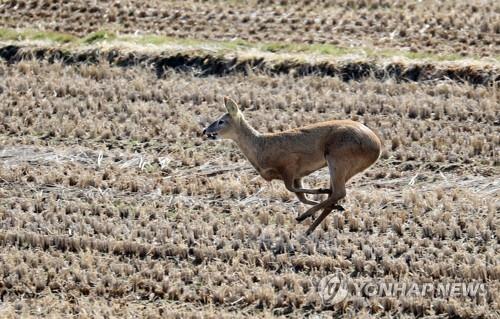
(312, 166)
(269, 174)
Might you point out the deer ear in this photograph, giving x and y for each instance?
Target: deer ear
(231, 106)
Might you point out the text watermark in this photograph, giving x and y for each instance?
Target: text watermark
(335, 288)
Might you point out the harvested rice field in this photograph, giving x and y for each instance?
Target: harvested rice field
(114, 205)
(113, 202)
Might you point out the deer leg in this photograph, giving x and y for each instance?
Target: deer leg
(291, 186)
(297, 183)
(327, 210)
(311, 211)
(321, 205)
(337, 182)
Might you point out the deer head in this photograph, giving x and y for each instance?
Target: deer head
(227, 125)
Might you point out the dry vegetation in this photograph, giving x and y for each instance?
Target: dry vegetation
(112, 203)
(454, 27)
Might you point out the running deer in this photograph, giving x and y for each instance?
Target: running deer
(347, 147)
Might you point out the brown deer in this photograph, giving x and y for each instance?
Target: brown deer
(347, 147)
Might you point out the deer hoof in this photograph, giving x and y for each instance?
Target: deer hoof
(339, 208)
(300, 219)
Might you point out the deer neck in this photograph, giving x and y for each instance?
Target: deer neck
(249, 141)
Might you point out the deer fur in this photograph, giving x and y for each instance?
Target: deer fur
(346, 147)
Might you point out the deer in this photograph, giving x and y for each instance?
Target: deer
(347, 147)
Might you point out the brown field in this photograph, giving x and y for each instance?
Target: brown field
(438, 27)
(113, 204)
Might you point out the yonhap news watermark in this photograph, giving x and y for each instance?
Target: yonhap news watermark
(337, 287)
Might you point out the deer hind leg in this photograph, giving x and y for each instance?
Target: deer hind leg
(330, 202)
(337, 181)
(337, 175)
(327, 210)
(313, 210)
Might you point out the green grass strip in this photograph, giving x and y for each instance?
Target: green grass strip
(327, 50)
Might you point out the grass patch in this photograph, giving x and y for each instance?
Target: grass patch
(160, 40)
(325, 49)
(423, 55)
(148, 39)
(8, 34)
(53, 36)
(99, 36)
(28, 34)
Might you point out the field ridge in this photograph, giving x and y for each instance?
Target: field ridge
(205, 63)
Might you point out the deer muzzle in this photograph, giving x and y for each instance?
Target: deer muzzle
(210, 135)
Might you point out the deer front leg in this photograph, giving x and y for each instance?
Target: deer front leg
(291, 186)
(302, 198)
(297, 183)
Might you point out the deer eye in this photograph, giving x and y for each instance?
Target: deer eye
(221, 122)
